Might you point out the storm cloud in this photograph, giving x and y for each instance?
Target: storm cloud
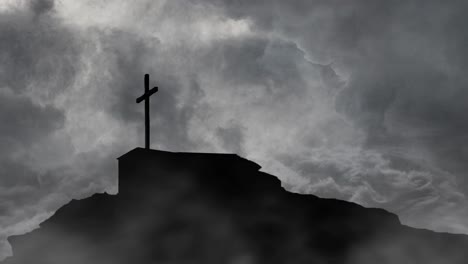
(360, 101)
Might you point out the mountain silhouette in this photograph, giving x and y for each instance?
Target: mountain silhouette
(219, 208)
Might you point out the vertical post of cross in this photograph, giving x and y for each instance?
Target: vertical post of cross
(147, 114)
(146, 97)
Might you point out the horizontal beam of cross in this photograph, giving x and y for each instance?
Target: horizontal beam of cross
(146, 95)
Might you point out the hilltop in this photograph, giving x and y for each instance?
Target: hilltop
(219, 208)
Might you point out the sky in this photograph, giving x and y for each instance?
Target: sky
(356, 100)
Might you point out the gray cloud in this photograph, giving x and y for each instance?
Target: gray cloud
(405, 94)
(39, 59)
(61, 87)
(42, 6)
(32, 46)
(133, 55)
(357, 100)
(37, 52)
(23, 121)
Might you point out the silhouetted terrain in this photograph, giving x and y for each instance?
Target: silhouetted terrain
(218, 208)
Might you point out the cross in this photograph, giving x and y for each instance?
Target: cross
(146, 97)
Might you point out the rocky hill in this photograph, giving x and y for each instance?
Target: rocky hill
(219, 208)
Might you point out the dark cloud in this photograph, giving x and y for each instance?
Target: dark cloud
(38, 54)
(121, 80)
(259, 61)
(24, 122)
(405, 92)
(38, 61)
(42, 6)
(357, 100)
(55, 80)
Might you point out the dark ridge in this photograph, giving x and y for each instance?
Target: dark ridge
(219, 208)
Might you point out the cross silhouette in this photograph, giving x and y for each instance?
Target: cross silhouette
(146, 98)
